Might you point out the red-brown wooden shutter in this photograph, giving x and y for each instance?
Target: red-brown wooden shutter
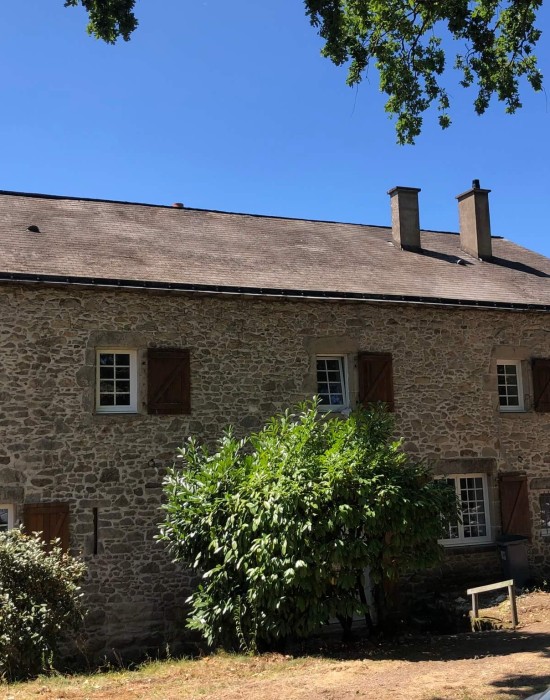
(376, 378)
(51, 519)
(168, 381)
(514, 505)
(541, 385)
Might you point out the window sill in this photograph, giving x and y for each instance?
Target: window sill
(334, 409)
(518, 412)
(117, 414)
(458, 549)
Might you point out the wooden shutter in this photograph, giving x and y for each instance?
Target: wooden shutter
(168, 382)
(51, 519)
(541, 385)
(376, 378)
(514, 505)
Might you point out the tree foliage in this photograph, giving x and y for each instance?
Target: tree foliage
(109, 19)
(282, 524)
(40, 599)
(403, 40)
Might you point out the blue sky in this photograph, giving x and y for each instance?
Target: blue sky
(230, 106)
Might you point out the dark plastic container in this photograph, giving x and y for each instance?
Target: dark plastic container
(512, 550)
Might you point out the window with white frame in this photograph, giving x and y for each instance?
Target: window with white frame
(6, 517)
(473, 525)
(510, 388)
(332, 382)
(544, 502)
(116, 381)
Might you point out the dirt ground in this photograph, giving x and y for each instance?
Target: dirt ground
(503, 664)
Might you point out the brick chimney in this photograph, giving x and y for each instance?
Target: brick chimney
(405, 221)
(475, 223)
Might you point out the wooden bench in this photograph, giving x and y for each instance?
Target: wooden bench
(474, 592)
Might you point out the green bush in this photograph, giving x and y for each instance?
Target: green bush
(283, 524)
(39, 600)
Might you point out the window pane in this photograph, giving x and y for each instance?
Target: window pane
(116, 380)
(122, 372)
(3, 519)
(453, 532)
(472, 524)
(473, 507)
(508, 385)
(330, 381)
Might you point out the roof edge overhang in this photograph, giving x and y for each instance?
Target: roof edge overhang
(111, 283)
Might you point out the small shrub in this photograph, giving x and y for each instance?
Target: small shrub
(40, 599)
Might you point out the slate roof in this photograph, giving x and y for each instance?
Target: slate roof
(83, 239)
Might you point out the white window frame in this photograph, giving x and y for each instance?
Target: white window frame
(521, 400)
(461, 540)
(132, 407)
(345, 379)
(544, 526)
(11, 514)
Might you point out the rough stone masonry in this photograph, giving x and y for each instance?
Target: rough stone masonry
(250, 357)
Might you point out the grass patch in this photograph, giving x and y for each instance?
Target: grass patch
(184, 678)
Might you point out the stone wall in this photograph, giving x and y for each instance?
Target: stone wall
(249, 358)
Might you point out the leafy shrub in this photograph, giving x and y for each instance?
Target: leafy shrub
(282, 524)
(39, 600)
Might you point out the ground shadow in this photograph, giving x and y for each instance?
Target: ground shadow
(434, 648)
(515, 686)
(518, 686)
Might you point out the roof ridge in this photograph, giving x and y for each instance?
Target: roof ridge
(70, 198)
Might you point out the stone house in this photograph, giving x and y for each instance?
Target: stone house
(126, 327)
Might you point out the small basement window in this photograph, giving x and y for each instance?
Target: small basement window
(116, 381)
(6, 517)
(332, 382)
(510, 387)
